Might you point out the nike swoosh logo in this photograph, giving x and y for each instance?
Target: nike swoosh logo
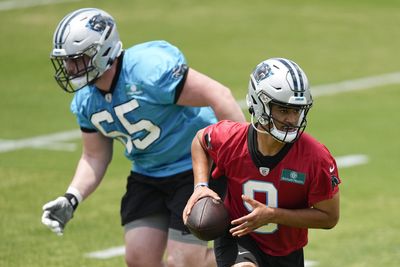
(242, 252)
(331, 169)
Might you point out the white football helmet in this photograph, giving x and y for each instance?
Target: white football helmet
(88, 36)
(281, 82)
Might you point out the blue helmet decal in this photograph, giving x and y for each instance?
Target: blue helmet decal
(262, 71)
(99, 23)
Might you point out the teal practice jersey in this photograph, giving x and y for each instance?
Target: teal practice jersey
(141, 111)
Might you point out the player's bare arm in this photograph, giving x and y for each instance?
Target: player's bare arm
(201, 168)
(96, 155)
(323, 215)
(200, 90)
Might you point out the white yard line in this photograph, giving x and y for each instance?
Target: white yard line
(107, 253)
(51, 141)
(356, 84)
(342, 162)
(310, 263)
(55, 141)
(10, 5)
(351, 160)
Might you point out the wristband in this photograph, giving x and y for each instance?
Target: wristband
(201, 184)
(72, 200)
(73, 196)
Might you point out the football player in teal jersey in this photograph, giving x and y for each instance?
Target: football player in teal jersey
(147, 98)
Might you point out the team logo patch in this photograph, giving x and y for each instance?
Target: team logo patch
(293, 176)
(132, 89)
(108, 97)
(334, 181)
(179, 71)
(207, 140)
(264, 171)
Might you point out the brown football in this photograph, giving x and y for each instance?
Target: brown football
(208, 219)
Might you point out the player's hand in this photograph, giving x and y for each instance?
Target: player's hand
(57, 213)
(259, 216)
(199, 192)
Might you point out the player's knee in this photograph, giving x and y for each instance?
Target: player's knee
(179, 260)
(135, 260)
(171, 261)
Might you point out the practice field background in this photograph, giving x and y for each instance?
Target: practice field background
(333, 41)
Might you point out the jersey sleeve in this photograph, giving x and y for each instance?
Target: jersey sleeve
(326, 178)
(162, 70)
(78, 109)
(216, 140)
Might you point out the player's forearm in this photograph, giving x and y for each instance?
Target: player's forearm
(88, 175)
(305, 218)
(324, 214)
(200, 159)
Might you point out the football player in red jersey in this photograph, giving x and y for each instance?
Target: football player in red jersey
(280, 180)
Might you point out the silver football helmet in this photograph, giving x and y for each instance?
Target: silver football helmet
(87, 42)
(281, 82)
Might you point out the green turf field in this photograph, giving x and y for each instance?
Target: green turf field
(333, 41)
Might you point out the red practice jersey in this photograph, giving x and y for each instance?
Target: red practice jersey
(300, 175)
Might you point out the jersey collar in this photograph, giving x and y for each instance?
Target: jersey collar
(260, 160)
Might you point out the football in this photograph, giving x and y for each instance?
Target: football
(208, 219)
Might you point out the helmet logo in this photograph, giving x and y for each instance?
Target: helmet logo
(264, 171)
(262, 72)
(179, 71)
(99, 23)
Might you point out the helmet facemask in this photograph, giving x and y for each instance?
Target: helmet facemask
(84, 72)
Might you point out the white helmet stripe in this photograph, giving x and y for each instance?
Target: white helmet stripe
(63, 24)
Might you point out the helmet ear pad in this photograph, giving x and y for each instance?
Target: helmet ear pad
(104, 62)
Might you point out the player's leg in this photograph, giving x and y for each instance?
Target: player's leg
(186, 250)
(145, 219)
(245, 258)
(229, 253)
(145, 241)
(183, 248)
